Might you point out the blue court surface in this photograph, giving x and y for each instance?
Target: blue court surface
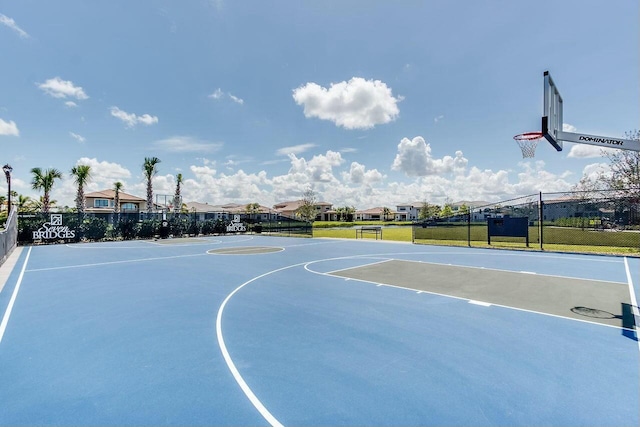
(259, 330)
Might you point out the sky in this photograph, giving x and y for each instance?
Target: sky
(367, 103)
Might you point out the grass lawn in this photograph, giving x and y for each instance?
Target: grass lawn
(560, 239)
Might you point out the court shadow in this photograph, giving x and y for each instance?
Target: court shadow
(627, 318)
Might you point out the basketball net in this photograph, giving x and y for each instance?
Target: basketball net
(528, 143)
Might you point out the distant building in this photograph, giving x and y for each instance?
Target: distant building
(104, 202)
(226, 212)
(290, 209)
(374, 214)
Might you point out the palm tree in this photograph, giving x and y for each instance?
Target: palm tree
(44, 180)
(386, 212)
(81, 176)
(177, 203)
(25, 204)
(149, 167)
(117, 188)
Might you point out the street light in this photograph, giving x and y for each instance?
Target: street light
(7, 173)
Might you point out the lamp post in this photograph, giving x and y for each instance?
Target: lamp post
(7, 173)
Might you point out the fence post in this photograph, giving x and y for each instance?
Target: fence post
(540, 220)
(469, 228)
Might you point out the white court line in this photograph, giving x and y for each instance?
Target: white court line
(331, 273)
(7, 313)
(634, 302)
(97, 264)
(482, 303)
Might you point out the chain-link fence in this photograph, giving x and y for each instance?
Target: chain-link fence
(581, 221)
(35, 228)
(8, 236)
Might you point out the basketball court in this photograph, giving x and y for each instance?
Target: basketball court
(258, 330)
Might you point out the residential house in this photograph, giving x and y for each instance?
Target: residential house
(408, 211)
(289, 209)
(374, 214)
(205, 211)
(104, 202)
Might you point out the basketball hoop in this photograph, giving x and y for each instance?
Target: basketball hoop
(528, 143)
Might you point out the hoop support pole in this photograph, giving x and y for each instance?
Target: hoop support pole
(600, 141)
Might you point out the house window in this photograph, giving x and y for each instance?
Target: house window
(101, 203)
(128, 207)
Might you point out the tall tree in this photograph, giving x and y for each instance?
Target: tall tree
(307, 209)
(177, 200)
(81, 176)
(44, 180)
(150, 170)
(625, 176)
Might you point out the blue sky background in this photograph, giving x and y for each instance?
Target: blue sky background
(369, 103)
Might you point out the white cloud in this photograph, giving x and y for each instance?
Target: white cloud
(59, 88)
(70, 104)
(318, 169)
(356, 104)
(566, 127)
(359, 175)
(584, 151)
(437, 119)
(79, 138)
(9, 22)
(219, 94)
(130, 119)
(295, 149)
(9, 128)
(236, 99)
(414, 159)
(183, 144)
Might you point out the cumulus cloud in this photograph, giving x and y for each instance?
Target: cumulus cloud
(295, 149)
(356, 104)
(131, 119)
(9, 128)
(10, 23)
(319, 168)
(358, 174)
(77, 137)
(70, 104)
(414, 159)
(58, 88)
(183, 144)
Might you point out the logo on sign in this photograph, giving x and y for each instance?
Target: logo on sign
(236, 225)
(54, 230)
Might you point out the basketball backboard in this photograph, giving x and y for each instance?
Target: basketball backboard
(552, 124)
(552, 112)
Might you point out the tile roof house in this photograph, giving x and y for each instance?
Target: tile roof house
(290, 208)
(374, 214)
(103, 202)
